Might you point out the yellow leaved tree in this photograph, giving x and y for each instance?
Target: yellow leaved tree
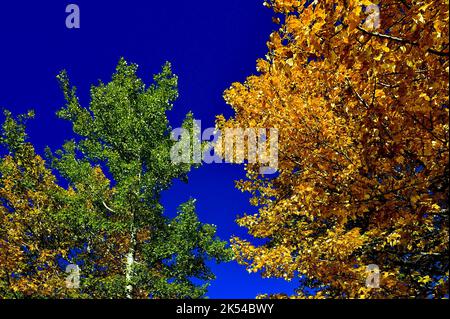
(359, 94)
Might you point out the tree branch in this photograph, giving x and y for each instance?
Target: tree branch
(110, 209)
(401, 40)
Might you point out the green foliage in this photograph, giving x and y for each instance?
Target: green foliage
(116, 166)
(125, 130)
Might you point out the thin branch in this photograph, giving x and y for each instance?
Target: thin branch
(401, 40)
(110, 209)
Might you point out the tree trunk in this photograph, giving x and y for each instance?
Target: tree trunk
(129, 264)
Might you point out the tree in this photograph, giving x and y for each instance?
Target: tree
(361, 105)
(125, 133)
(45, 227)
(30, 239)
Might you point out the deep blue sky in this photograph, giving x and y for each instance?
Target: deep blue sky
(210, 44)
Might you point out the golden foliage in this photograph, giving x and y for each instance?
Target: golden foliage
(26, 232)
(363, 117)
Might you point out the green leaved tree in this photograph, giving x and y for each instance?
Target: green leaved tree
(125, 132)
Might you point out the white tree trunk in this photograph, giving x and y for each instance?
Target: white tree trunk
(130, 264)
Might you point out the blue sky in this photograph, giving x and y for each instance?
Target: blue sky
(210, 45)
